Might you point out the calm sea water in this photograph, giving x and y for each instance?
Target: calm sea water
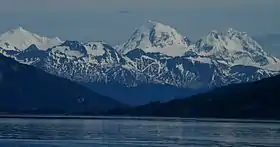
(136, 133)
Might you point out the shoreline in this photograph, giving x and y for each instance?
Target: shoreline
(242, 120)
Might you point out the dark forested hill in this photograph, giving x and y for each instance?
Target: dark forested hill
(259, 99)
(26, 89)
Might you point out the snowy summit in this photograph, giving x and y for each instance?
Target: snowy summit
(19, 39)
(156, 37)
(234, 47)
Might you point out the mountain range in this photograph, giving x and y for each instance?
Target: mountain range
(156, 63)
(27, 89)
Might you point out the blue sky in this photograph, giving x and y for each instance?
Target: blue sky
(114, 20)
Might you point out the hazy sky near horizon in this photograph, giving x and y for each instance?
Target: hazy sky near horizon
(114, 20)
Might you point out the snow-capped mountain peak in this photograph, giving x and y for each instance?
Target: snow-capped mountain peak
(19, 39)
(234, 47)
(156, 37)
(98, 48)
(92, 52)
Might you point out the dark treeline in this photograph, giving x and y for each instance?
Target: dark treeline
(257, 100)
